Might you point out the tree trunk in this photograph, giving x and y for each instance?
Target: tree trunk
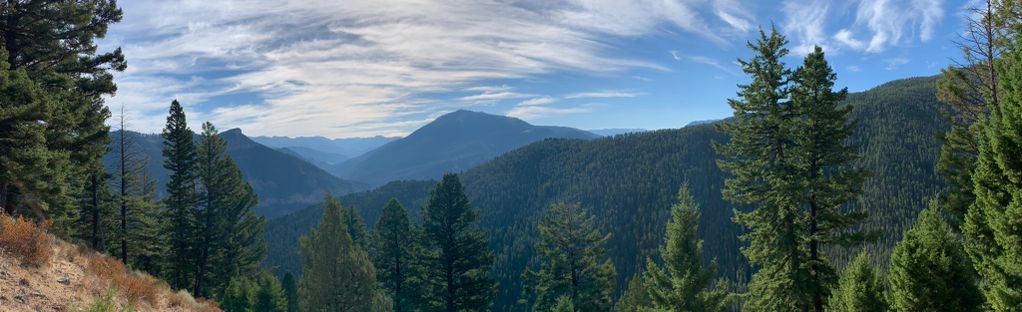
(124, 194)
(94, 189)
(3, 198)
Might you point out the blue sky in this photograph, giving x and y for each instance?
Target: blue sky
(385, 67)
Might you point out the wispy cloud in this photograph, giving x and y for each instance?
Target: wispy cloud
(714, 63)
(538, 112)
(537, 101)
(806, 22)
(318, 67)
(877, 24)
(603, 94)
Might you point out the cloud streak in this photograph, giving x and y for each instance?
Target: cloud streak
(305, 67)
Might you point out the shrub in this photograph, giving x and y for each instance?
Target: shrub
(139, 288)
(26, 240)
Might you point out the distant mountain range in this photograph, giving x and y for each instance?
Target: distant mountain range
(318, 148)
(323, 160)
(283, 182)
(452, 143)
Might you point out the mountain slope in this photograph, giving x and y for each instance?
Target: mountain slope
(630, 181)
(452, 143)
(323, 160)
(283, 182)
(349, 147)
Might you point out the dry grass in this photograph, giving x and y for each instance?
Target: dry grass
(135, 287)
(26, 240)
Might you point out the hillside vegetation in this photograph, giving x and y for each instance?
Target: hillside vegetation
(41, 273)
(629, 182)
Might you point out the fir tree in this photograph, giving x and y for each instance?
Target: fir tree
(572, 262)
(829, 179)
(261, 293)
(764, 175)
(25, 166)
(357, 228)
(460, 266)
(179, 157)
(860, 289)
(994, 222)
(930, 271)
(290, 292)
(396, 256)
(636, 297)
(338, 274)
(563, 304)
(683, 283)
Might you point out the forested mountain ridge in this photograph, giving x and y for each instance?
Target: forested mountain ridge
(453, 142)
(283, 182)
(629, 182)
(349, 147)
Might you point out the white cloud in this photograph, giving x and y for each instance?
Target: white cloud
(844, 36)
(714, 63)
(538, 112)
(303, 67)
(894, 62)
(537, 101)
(895, 22)
(603, 94)
(805, 22)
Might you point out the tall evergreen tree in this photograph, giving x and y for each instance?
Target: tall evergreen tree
(55, 42)
(146, 230)
(683, 283)
(290, 292)
(829, 179)
(229, 232)
(357, 228)
(26, 176)
(179, 157)
(572, 262)
(396, 256)
(338, 274)
(459, 271)
(636, 297)
(860, 289)
(261, 293)
(758, 157)
(930, 271)
(994, 222)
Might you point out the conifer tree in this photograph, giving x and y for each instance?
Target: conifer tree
(55, 42)
(357, 228)
(572, 262)
(179, 157)
(683, 283)
(829, 179)
(930, 271)
(25, 165)
(230, 234)
(290, 292)
(396, 256)
(459, 269)
(636, 296)
(993, 224)
(860, 289)
(145, 229)
(338, 274)
(563, 304)
(758, 157)
(261, 293)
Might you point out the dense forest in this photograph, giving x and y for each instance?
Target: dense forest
(630, 181)
(904, 197)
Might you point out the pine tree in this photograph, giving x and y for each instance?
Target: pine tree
(55, 42)
(636, 296)
(683, 283)
(357, 228)
(260, 293)
(338, 274)
(291, 292)
(396, 256)
(860, 289)
(829, 178)
(25, 165)
(230, 233)
(459, 271)
(930, 271)
(180, 159)
(994, 222)
(763, 176)
(572, 262)
(145, 229)
(563, 304)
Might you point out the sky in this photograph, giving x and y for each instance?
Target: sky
(357, 68)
